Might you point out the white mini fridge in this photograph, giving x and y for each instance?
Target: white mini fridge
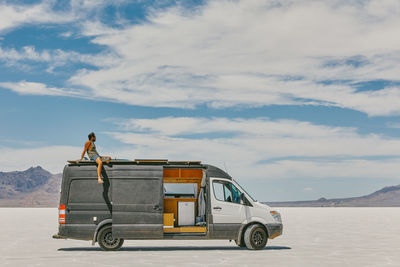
(185, 213)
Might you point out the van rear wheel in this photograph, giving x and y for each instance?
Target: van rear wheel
(255, 237)
(107, 241)
(241, 244)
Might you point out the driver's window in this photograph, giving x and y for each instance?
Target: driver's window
(235, 193)
(226, 191)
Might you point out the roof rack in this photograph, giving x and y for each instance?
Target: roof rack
(139, 162)
(184, 162)
(152, 160)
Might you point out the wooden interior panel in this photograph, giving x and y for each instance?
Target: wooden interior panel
(171, 206)
(168, 220)
(192, 173)
(186, 229)
(181, 176)
(184, 176)
(171, 173)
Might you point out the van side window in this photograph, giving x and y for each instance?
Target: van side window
(85, 191)
(226, 191)
(218, 191)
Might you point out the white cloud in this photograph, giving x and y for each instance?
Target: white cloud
(395, 125)
(13, 15)
(52, 158)
(55, 58)
(260, 53)
(249, 57)
(31, 88)
(261, 148)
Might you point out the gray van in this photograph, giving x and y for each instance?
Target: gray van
(160, 199)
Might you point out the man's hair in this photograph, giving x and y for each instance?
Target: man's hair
(91, 135)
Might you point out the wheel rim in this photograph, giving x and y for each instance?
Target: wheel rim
(109, 241)
(258, 238)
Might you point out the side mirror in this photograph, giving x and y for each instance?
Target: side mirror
(242, 199)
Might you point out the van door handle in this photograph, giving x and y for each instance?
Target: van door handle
(156, 207)
(217, 208)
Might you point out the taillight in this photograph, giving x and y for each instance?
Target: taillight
(61, 214)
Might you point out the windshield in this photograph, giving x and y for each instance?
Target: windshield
(255, 200)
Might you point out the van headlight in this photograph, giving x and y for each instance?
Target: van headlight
(276, 215)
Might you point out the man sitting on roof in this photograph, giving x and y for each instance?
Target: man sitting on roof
(90, 149)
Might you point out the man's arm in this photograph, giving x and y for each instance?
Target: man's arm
(85, 148)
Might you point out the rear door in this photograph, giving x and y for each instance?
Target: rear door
(137, 202)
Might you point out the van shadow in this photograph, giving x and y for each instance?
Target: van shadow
(106, 189)
(189, 248)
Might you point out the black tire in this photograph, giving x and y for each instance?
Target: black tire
(106, 240)
(255, 237)
(242, 244)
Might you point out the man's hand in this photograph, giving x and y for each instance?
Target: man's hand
(78, 161)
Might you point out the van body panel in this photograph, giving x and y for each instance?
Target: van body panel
(256, 220)
(82, 231)
(137, 202)
(86, 201)
(225, 230)
(213, 171)
(228, 216)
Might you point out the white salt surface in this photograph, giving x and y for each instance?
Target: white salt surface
(312, 237)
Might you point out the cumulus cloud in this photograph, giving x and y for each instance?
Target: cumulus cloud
(54, 58)
(31, 88)
(52, 158)
(251, 149)
(395, 125)
(262, 148)
(261, 53)
(14, 15)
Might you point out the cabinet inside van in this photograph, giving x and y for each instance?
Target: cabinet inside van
(184, 201)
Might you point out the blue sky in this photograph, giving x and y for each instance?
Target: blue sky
(296, 99)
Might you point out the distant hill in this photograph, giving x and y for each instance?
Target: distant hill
(34, 187)
(386, 197)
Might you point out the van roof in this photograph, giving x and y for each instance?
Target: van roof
(212, 170)
(138, 162)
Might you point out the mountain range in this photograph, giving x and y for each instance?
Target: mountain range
(386, 197)
(36, 187)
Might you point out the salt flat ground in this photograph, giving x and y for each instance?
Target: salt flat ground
(312, 237)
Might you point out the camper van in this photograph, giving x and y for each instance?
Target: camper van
(160, 199)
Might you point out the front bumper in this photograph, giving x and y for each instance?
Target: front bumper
(274, 229)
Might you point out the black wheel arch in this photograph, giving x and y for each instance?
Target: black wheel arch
(99, 226)
(240, 238)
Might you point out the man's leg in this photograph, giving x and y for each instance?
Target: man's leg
(106, 159)
(99, 167)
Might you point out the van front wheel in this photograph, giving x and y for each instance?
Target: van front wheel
(107, 241)
(255, 237)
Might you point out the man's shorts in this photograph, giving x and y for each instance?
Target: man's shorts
(95, 157)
